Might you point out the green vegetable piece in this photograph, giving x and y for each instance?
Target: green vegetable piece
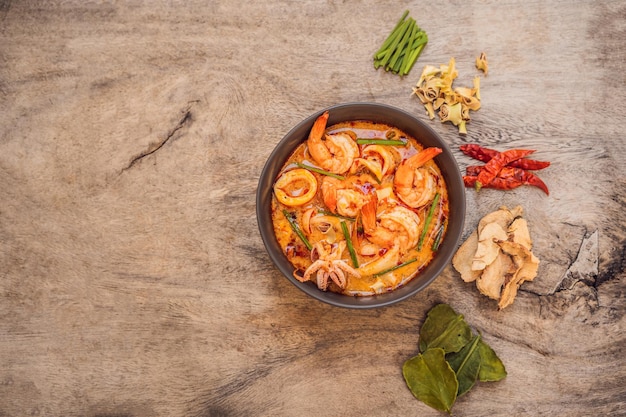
(297, 230)
(466, 364)
(394, 44)
(444, 328)
(393, 268)
(429, 218)
(387, 142)
(319, 171)
(403, 42)
(431, 379)
(346, 235)
(391, 36)
(438, 238)
(491, 367)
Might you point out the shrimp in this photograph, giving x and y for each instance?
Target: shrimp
(334, 153)
(415, 184)
(396, 225)
(345, 197)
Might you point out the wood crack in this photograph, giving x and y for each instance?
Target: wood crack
(585, 268)
(155, 147)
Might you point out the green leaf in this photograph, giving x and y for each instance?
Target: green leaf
(445, 329)
(466, 365)
(431, 379)
(491, 367)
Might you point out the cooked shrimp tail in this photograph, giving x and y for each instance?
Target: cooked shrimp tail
(422, 157)
(317, 131)
(415, 184)
(334, 153)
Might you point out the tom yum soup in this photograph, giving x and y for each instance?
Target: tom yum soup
(359, 208)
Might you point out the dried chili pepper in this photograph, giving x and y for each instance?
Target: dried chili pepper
(524, 177)
(495, 164)
(507, 178)
(485, 155)
(497, 183)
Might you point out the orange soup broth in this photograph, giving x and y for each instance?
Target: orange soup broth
(300, 256)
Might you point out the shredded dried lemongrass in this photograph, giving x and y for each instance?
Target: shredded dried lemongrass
(453, 104)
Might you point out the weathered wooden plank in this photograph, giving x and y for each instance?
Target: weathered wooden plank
(132, 278)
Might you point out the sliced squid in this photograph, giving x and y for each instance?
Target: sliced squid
(295, 187)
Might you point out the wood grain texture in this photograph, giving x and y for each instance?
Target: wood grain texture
(133, 281)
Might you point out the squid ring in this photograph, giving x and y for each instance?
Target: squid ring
(295, 187)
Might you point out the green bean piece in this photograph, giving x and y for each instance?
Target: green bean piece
(393, 268)
(402, 45)
(319, 171)
(394, 45)
(363, 141)
(296, 229)
(438, 238)
(429, 218)
(346, 234)
(392, 34)
(414, 55)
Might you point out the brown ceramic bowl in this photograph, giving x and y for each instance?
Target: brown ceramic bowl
(377, 113)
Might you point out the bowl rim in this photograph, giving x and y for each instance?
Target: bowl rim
(382, 113)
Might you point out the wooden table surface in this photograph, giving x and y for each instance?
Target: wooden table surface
(134, 281)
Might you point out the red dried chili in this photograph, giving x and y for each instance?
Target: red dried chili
(495, 164)
(507, 178)
(485, 155)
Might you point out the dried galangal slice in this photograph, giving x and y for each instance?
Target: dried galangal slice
(462, 259)
(526, 264)
(497, 255)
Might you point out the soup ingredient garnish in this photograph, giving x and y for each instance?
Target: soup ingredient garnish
(295, 187)
(451, 359)
(429, 218)
(497, 255)
(387, 142)
(503, 170)
(481, 63)
(346, 235)
(413, 182)
(332, 152)
(393, 268)
(402, 47)
(438, 238)
(297, 230)
(328, 266)
(434, 89)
